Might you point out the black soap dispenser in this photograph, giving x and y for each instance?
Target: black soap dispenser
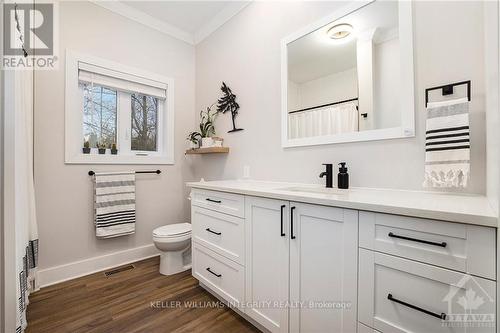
(343, 177)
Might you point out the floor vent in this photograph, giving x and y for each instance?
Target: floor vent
(119, 270)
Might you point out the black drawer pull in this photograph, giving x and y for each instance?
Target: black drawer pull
(292, 236)
(218, 275)
(441, 316)
(212, 200)
(214, 232)
(442, 244)
(282, 231)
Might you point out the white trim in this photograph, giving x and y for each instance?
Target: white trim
(407, 98)
(231, 9)
(145, 19)
(74, 114)
(9, 278)
(58, 274)
(136, 15)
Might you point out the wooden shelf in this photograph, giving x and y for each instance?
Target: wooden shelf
(208, 150)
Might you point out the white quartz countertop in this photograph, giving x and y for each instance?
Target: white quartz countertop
(471, 209)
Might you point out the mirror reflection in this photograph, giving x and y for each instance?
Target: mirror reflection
(345, 76)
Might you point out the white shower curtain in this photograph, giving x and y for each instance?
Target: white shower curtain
(329, 120)
(25, 220)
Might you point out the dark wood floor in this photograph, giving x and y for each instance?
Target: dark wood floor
(122, 303)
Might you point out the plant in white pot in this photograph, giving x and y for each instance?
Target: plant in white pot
(207, 128)
(194, 139)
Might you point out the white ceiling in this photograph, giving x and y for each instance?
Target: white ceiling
(190, 21)
(314, 55)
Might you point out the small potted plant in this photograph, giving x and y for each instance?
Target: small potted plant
(86, 147)
(114, 151)
(207, 128)
(194, 140)
(101, 147)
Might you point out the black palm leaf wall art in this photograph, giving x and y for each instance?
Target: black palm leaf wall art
(228, 103)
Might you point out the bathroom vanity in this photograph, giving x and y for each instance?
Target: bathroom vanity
(302, 258)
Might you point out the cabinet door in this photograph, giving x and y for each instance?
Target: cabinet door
(267, 262)
(323, 269)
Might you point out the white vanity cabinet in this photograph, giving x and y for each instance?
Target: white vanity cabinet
(323, 268)
(419, 275)
(289, 266)
(303, 256)
(267, 240)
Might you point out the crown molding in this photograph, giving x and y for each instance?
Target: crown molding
(145, 19)
(206, 30)
(231, 10)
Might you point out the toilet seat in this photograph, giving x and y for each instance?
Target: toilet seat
(173, 230)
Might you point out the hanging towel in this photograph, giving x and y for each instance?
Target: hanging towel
(114, 202)
(447, 144)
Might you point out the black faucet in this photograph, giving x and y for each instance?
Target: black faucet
(329, 175)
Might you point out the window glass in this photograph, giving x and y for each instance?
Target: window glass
(99, 115)
(144, 126)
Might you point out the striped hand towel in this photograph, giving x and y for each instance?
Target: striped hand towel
(114, 202)
(447, 144)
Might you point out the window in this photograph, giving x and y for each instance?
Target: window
(99, 115)
(144, 122)
(111, 105)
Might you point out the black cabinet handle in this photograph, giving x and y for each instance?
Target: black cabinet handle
(292, 236)
(214, 232)
(218, 275)
(442, 244)
(441, 315)
(282, 231)
(212, 200)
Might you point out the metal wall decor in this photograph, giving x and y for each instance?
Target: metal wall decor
(228, 103)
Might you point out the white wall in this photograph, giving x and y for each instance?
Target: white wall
(64, 192)
(245, 53)
(387, 75)
(327, 89)
(491, 13)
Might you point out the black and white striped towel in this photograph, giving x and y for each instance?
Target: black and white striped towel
(114, 202)
(447, 144)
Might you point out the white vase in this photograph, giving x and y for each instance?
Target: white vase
(193, 145)
(207, 142)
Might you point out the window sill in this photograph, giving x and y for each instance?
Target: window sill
(117, 159)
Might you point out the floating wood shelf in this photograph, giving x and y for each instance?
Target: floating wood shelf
(208, 150)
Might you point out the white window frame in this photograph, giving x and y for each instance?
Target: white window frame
(74, 118)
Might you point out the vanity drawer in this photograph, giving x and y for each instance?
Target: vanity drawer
(401, 295)
(222, 233)
(462, 247)
(228, 203)
(222, 275)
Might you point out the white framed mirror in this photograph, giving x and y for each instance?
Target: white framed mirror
(349, 76)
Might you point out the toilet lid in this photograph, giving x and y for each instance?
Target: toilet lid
(173, 230)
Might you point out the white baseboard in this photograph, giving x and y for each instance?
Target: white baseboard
(57, 274)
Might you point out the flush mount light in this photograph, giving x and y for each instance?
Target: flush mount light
(339, 31)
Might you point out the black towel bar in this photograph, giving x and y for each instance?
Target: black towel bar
(447, 89)
(91, 173)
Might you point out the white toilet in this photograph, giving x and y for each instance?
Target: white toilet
(174, 243)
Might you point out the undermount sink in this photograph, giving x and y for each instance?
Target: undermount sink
(312, 189)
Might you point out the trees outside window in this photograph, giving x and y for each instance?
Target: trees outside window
(144, 122)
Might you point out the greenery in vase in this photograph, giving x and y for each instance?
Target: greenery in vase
(207, 125)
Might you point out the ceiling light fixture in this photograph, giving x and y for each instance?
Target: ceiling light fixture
(339, 31)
